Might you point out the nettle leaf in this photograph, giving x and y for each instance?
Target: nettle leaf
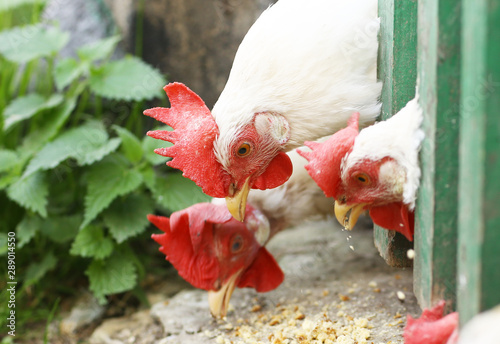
(97, 153)
(176, 192)
(67, 71)
(8, 159)
(149, 176)
(87, 144)
(127, 79)
(130, 144)
(61, 229)
(91, 242)
(23, 44)
(7, 5)
(98, 50)
(10, 167)
(31, 192)
(127, 216)
(107, 180)
(26, 230)
(149, 145)
(3, 244)
(38, 269)
(26, 107)
(113, 275)
(48, 128)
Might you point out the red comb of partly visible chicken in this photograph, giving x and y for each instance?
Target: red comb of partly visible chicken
(326, 157)
(214, 252)
(376, 169)
(432, 327)
(289, 83)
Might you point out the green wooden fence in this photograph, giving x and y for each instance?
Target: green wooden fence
(453, 48)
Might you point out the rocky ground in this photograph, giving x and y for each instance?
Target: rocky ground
(337, 290)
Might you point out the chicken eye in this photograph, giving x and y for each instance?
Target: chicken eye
(244, 149)
(362, 178)
(236, 244)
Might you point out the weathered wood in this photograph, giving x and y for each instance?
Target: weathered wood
(436, 213)
(479, 215)
(397, 69)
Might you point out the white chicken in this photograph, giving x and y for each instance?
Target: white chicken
(302, 69)
(376, 169)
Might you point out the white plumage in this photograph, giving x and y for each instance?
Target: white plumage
(299, 199)
(313, 62)
(399, 137)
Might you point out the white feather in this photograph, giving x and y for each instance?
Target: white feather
(299, 199)
(314, 62)
(399, 137)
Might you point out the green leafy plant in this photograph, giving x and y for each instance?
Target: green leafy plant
(76, 179)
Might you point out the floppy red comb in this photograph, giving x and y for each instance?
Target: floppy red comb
(185, 240)
(181, 241)
(326, 157)
(193, 136)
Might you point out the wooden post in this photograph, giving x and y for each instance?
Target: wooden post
(479, 201)
(436, 213)
(397, 69)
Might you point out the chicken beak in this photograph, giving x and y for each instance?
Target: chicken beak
(219, 300)
(238, 202)
(345, 219)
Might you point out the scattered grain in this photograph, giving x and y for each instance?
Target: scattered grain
(344, 297)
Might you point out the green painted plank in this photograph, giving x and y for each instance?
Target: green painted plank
(479, 191)
(397, 69)
(436, 213)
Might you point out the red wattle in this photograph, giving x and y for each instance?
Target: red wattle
(276, 173)
(264, 274)
(396, 217)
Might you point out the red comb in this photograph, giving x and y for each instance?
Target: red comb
(181, 242)
(326, 157)
(186, 243)
(193, 136)
(431, 327)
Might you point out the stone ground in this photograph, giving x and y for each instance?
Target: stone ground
(337, 290)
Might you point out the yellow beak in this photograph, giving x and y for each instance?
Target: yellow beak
(345, 219)
(238, 202)
(219, 300)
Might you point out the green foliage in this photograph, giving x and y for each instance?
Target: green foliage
(98, 50)
(23, 44)
(176, 192)
(112, 275)
(31, 192)
(77, 181)
(127, 216)
(91, 242)
(119, 180)
(38, 269)
(129, 79)
(130, 143)
(25, 107)
(11, 4)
